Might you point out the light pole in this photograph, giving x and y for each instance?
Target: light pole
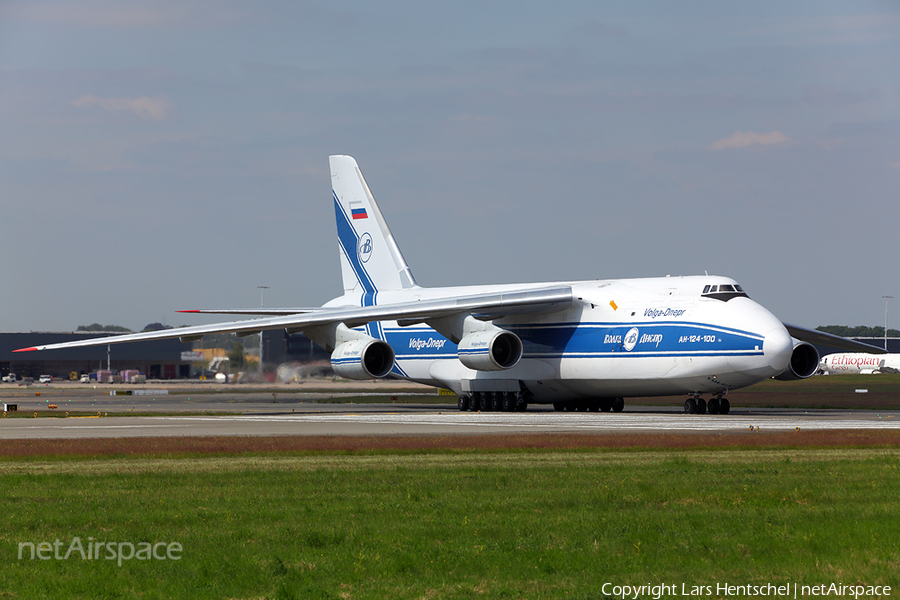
(262, 290)
(886, 298)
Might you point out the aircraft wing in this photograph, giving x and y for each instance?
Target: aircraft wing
(487, 306)
(835, 341)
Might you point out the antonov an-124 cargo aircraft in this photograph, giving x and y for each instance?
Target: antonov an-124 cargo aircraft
(580, 345)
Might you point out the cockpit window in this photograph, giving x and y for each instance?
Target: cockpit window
(723, 292)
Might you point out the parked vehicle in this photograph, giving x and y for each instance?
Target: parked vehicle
(45, 379)
(11, 378)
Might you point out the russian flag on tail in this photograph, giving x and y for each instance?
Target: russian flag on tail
(358, 211)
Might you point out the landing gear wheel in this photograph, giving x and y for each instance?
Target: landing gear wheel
(581, 406)
(606, 405)
(509, 402)
(463, 403)
(690, 406)
(521, 405)
(724, 406)
(618, 405)
(497, 402)
(713, 406)
(475, 402)
(559, 406)
(594, 406)
(701, 406)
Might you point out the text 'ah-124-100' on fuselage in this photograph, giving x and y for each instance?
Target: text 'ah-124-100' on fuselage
(578, 345)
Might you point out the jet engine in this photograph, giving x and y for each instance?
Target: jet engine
(491, 350)
(804, 362)
(363, 358)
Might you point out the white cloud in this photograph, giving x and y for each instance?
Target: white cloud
(157, 108)
(741, 139)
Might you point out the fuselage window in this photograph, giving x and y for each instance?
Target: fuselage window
(705, 289)
(726, 288)
(713, 289)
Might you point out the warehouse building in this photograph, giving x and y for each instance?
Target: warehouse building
(160, 359)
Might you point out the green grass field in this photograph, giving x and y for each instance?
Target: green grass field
(453, 524)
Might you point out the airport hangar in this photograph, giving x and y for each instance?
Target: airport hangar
(158, 359)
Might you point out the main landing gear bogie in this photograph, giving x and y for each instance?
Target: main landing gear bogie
(492, 401)
(695, 405)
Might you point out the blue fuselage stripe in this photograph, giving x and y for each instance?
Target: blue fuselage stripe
(592, 340)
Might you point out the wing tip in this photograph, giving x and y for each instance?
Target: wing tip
(187, 311)
(32, 349)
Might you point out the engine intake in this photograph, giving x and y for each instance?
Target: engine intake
(363, 358)
(804, 362)
(493, 350)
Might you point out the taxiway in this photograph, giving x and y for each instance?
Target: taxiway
(411, 420)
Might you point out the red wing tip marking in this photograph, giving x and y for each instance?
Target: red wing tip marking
(32, 349)
(190, 311)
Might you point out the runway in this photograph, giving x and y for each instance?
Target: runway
(411, 420)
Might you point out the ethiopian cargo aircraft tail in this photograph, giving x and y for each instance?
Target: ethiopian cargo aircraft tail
(580, 345)
(861, 363)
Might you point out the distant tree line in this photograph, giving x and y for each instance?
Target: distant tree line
(858, 331)
(99, 327)
(119, 328)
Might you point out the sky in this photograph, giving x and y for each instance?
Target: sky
(169, 155)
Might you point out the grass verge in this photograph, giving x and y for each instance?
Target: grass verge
(474, 523)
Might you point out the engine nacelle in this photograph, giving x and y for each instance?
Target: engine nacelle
(492, 350)
(804, 362)
(363, 358)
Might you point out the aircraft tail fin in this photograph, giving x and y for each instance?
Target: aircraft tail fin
(371, 260)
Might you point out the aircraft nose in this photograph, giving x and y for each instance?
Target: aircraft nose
(778, 348)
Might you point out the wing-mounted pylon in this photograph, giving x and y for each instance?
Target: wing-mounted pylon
(481, 345)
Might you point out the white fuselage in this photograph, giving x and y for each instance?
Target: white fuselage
(625, 337)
